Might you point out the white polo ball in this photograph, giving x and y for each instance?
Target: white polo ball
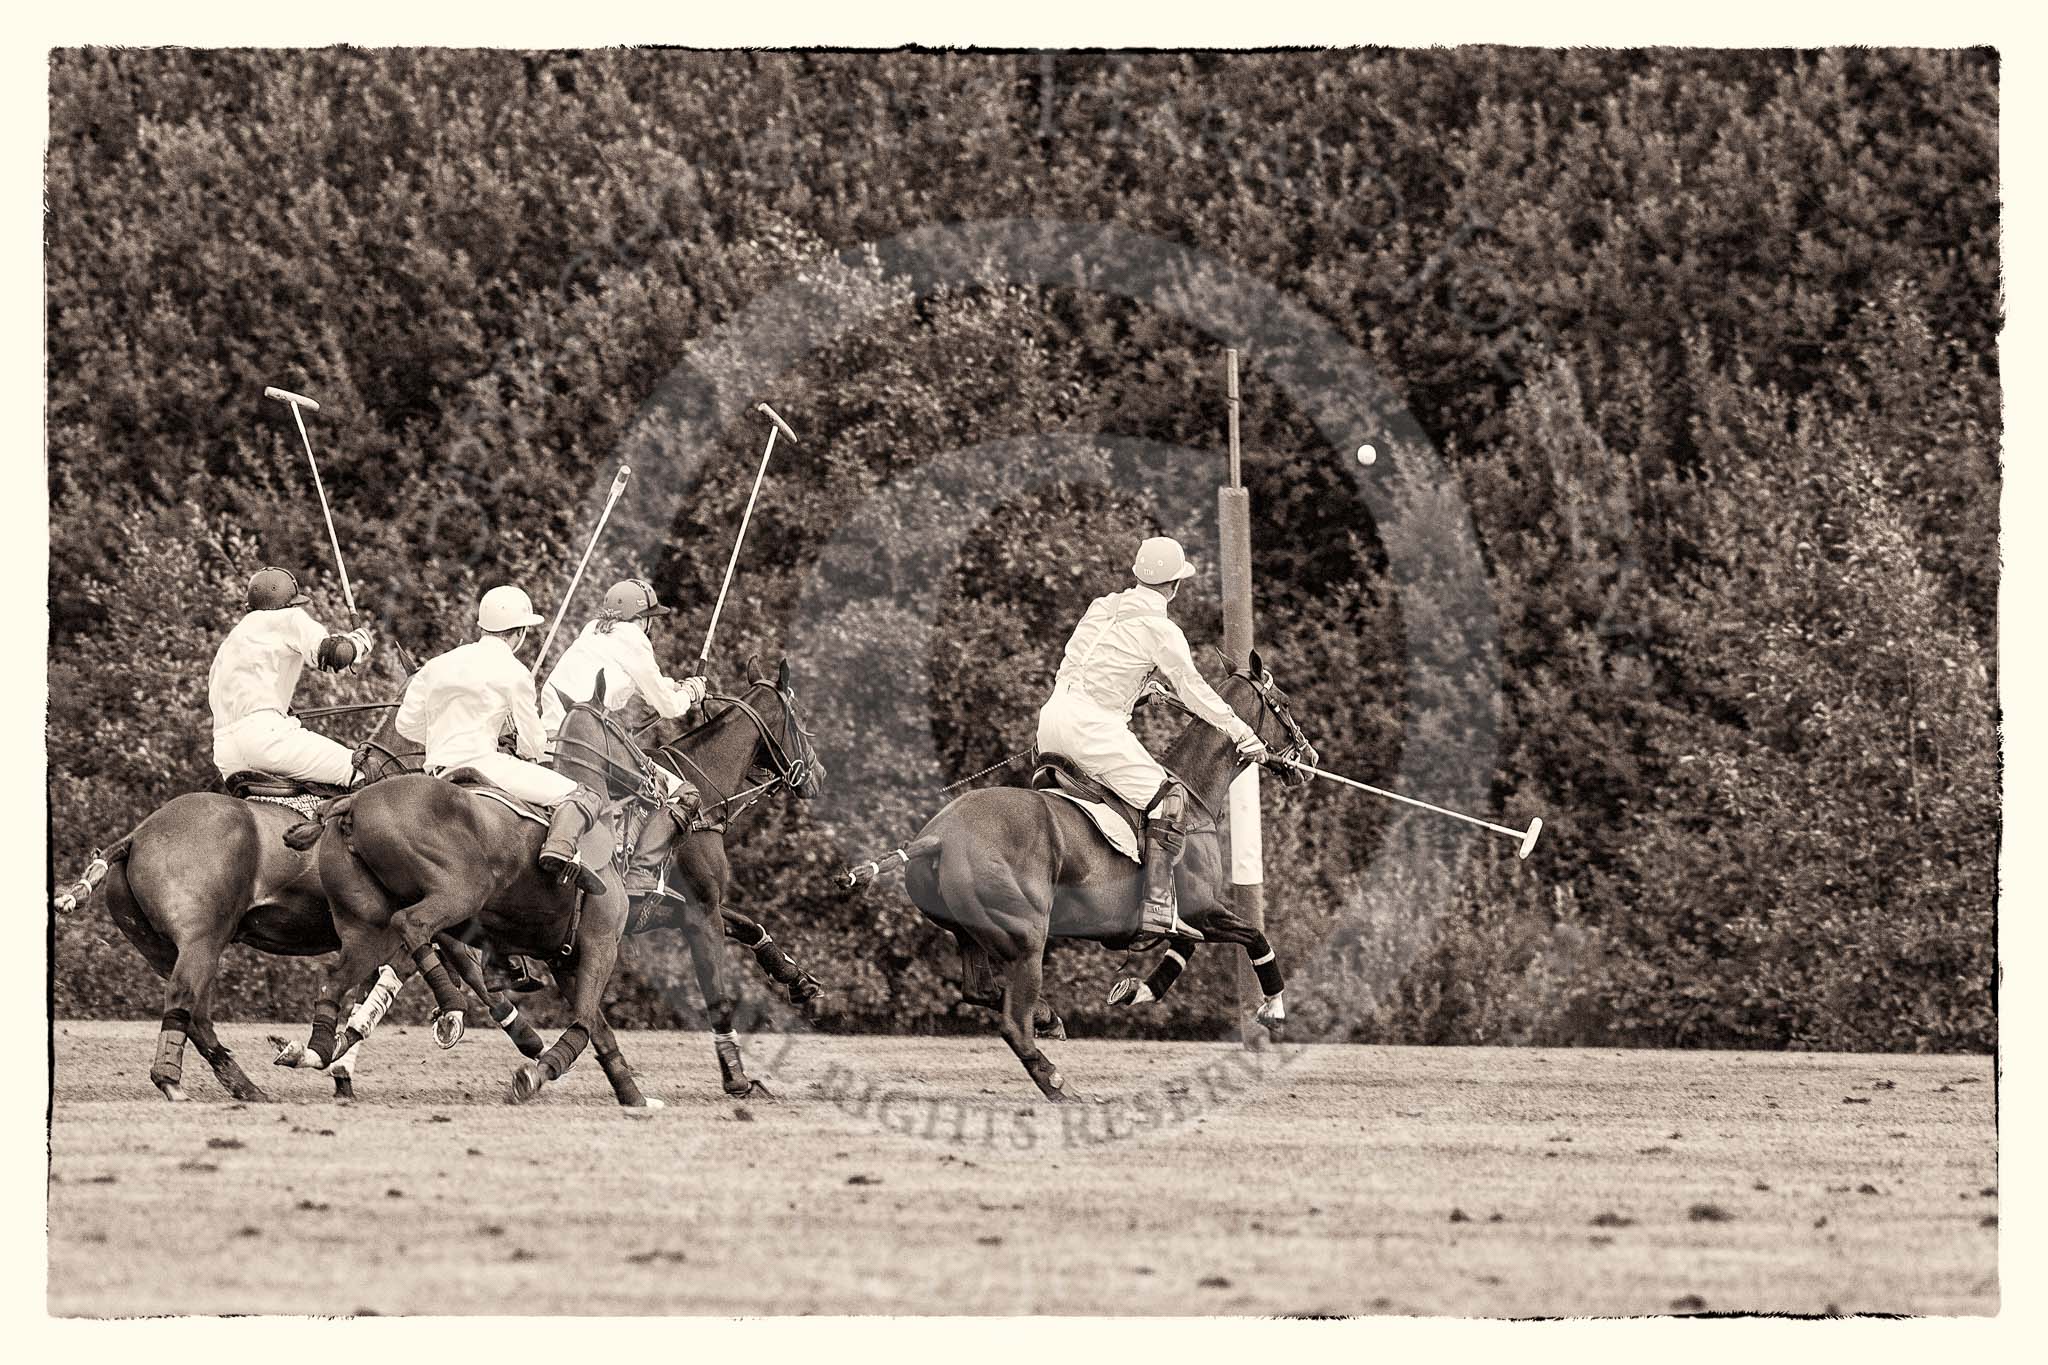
(1366, 454)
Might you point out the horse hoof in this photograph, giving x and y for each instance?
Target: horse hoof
(174, 1092)
(448, 1028)
(526, 1083)
(298, 1058)
(1129, 990)
(344, 1087)
(645, 1108)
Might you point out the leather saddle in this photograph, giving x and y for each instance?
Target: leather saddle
(1057, 772)
(249, 784)
(474, 782)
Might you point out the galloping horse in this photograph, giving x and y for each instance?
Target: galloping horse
(742, 752)
(413, 855)
(206, 870)
(1006, 868)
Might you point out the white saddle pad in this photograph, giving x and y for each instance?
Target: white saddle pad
(1114, 827)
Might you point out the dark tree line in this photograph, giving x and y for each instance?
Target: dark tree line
(1706, 342)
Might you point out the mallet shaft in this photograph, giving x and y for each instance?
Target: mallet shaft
(1527, 836)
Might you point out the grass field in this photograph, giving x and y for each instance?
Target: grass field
(925, 1176)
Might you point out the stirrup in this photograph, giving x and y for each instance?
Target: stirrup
(570, 868)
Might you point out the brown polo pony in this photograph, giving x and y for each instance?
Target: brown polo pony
(742, 751)
(412, 856)
(1007, 868)
(206, 870)
(746, 748)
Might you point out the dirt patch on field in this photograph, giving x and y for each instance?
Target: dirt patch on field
(913, 1176)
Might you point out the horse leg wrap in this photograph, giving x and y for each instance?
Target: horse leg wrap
(446, 996)
(732, 1072)
(559, 1058)
(1266, 968)
(169, 1067)
(524, 1036)
(776, 961)
(321, 1045)
(621, 1076)
(1167, 972)
(370, 1013)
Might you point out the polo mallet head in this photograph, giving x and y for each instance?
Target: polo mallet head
(297, 400)
(772, 415)
(1529, 839)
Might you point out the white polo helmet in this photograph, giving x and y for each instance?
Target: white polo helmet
(1160, 561)
(505, 608)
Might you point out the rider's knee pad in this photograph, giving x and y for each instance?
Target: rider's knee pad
(1170, 803)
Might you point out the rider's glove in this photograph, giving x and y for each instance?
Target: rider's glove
(1250, 746)
(690, 691)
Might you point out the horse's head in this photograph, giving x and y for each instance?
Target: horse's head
(386, 753)
(593, 747)
(1269, 713)
(785, 749)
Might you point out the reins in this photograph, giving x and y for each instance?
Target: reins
(784, 770)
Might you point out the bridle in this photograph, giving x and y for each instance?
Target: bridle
(783, 769)
(640, 778)
(1275, 701)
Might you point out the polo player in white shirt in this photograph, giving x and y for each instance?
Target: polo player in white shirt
(1123, 639)
(617, 644)
(460, 702)
(255, 672)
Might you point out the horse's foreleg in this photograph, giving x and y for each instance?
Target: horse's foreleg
(803, 989)
(1129, 990)
(701, 925)
(1272, 1011)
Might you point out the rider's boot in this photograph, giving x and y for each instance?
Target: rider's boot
(1164, 838)
(561, 855)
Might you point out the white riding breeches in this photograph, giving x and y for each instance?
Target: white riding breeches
(272, 742)
(1100, 741)
(527, 781)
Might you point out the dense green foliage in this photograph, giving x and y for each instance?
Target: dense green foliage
(1707, 343)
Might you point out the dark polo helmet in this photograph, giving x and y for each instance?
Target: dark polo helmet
(633, 599)
(270, 589)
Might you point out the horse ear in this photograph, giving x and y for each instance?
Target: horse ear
(1258, 667)
(782, 676)
(597, 691)
(568, 702)
(752, 666)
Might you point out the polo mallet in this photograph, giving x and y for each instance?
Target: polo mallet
(295, 401)
(618, 487)
(1527, 836)
(781, 427)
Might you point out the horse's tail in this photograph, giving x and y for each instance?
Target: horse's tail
(306, 833)
(79, 892)
(860, 874)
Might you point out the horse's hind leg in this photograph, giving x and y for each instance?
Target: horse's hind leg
(597, 952)
(624, 1084)
(185, 1000)
(226, 1069)
(468, 964)
(1023, 980)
